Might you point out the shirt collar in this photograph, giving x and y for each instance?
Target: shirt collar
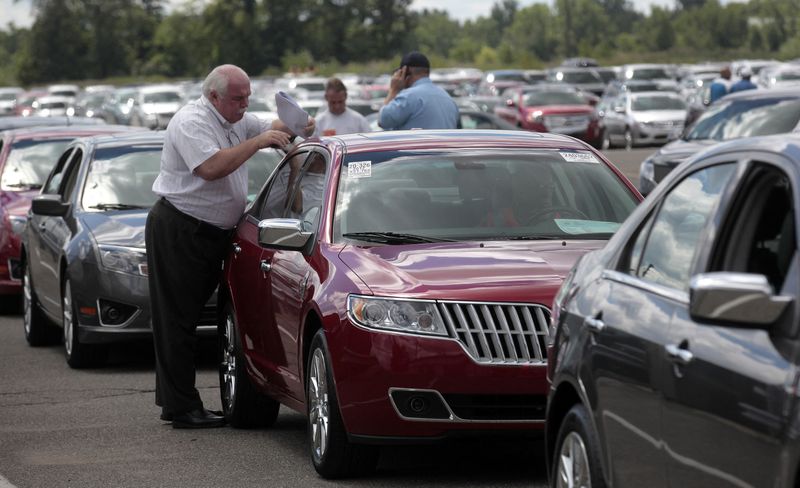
(206, 103)
(421, 81)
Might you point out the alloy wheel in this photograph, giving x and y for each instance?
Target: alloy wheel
(573, 463)
(68, 319)
(229, 364)
(319, 414)
(628, 139)
(27, 302)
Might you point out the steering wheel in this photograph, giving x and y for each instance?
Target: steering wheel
(562, 210)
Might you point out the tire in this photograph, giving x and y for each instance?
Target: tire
(38, 330)
(576, 461)
(79, 355)
(628, 139)
(333, 455)
(605, 143)
(242, 405)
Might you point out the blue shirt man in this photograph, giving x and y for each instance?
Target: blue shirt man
(744, 83)
(414, 102)
(719, 88)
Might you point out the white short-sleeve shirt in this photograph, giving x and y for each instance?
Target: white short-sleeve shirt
(195, 133)
(348, 122)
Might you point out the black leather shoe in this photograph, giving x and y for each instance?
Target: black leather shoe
(197, 419)
(167, 417)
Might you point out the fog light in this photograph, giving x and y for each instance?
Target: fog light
(115, 313)
(417, 404)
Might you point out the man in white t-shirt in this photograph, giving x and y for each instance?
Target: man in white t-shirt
(339, 119)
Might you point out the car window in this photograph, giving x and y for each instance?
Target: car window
(54, 180)
(481, 194)
(747, 117)
(760, 233)
(119, 177)
(306, 196)
(542, 98)
(668, 245)
(274, 200)
(653, 102)
(71, 175)
(30, 162)
(259, 167)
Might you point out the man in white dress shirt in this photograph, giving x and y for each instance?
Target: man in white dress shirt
(339, 119)
(203, 189)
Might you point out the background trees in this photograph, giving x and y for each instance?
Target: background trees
(101, 39)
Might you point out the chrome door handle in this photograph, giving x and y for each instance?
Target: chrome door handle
(236, 248)
(265, 266)
(596, 325)
(679, 354)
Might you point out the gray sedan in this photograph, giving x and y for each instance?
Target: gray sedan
(84, 257)
(643, 118)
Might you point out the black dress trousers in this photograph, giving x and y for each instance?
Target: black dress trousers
(184, 259)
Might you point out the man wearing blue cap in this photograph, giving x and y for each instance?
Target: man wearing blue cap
(414, 101)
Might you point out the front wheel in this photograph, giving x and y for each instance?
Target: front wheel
(79, 355)
(38, 330)
(242, 405)
(576, 462)
(628, 139)
(333, 455)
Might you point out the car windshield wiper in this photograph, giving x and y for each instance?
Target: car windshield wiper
(393, 237)
(587, 235)
(536, 237)
(116, 206)
(27, 186)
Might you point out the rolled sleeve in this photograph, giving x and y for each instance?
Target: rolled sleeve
(196, 142)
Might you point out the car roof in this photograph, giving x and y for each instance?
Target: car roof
(789, 92)
(17, 121)
(452, 139)
(56, 131)
(787, 144)
(145, 137)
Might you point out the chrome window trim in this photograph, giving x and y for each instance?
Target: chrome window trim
(647, 286)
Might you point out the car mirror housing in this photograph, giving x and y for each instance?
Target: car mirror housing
(741, 298)
(49, 205)
(283, 234)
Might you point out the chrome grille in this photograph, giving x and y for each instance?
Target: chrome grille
(499, 333)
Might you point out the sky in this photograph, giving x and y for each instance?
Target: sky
(19, 12)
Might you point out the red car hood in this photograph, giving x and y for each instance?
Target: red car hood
(502, 271)
(18, 202)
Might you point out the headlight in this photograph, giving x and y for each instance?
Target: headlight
(536, 117)
(411, 316)
(129, 260)
(18, 224)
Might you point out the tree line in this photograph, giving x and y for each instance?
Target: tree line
(106, 39)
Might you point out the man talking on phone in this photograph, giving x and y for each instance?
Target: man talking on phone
(414, 101)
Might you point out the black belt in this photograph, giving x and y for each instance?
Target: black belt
(203, 228)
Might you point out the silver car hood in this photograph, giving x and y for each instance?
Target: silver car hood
(119, 228)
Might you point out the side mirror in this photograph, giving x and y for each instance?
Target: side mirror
(50, 205)
(283, 234)
(735, 297)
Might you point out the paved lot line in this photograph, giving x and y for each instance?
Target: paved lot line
(4, 483)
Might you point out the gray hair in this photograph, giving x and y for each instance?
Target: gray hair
(219, 78)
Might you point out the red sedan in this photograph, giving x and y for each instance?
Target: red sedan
(396, 286)
(552, 108)
(26, 158)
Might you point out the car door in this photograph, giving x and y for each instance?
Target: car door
(290, 272)
(53, 232)
(630, 322)
(249, 276)
(729, 386)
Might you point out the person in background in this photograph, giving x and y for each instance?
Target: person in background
(414, 101)
(203, 188)
(339, 119)
(744, 83)
(720, 86)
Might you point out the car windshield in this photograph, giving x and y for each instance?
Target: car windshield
(645, 103)
(580, 77)
(540, 98)
(122, 177)
(746, 118)
(162, 97)
(29, 162)
(788, 76)
(479, 194)
(8, 96)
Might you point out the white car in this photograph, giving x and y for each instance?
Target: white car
(155, 105)
(8, 99)
(55, 105)
(643, 118)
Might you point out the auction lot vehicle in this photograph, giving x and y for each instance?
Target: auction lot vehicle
(84, 261)
(395, 286)
(744, 114)
(673, 358)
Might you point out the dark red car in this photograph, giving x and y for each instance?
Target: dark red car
(552, 108)
(26, 158)
(396, 286)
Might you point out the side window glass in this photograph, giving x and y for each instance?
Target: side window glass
(51, 186)
(71, 175)
(306, 200)
(674, 237)
(279, 191)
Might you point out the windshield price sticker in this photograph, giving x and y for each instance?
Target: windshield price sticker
(359, 169)
(574, 157)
